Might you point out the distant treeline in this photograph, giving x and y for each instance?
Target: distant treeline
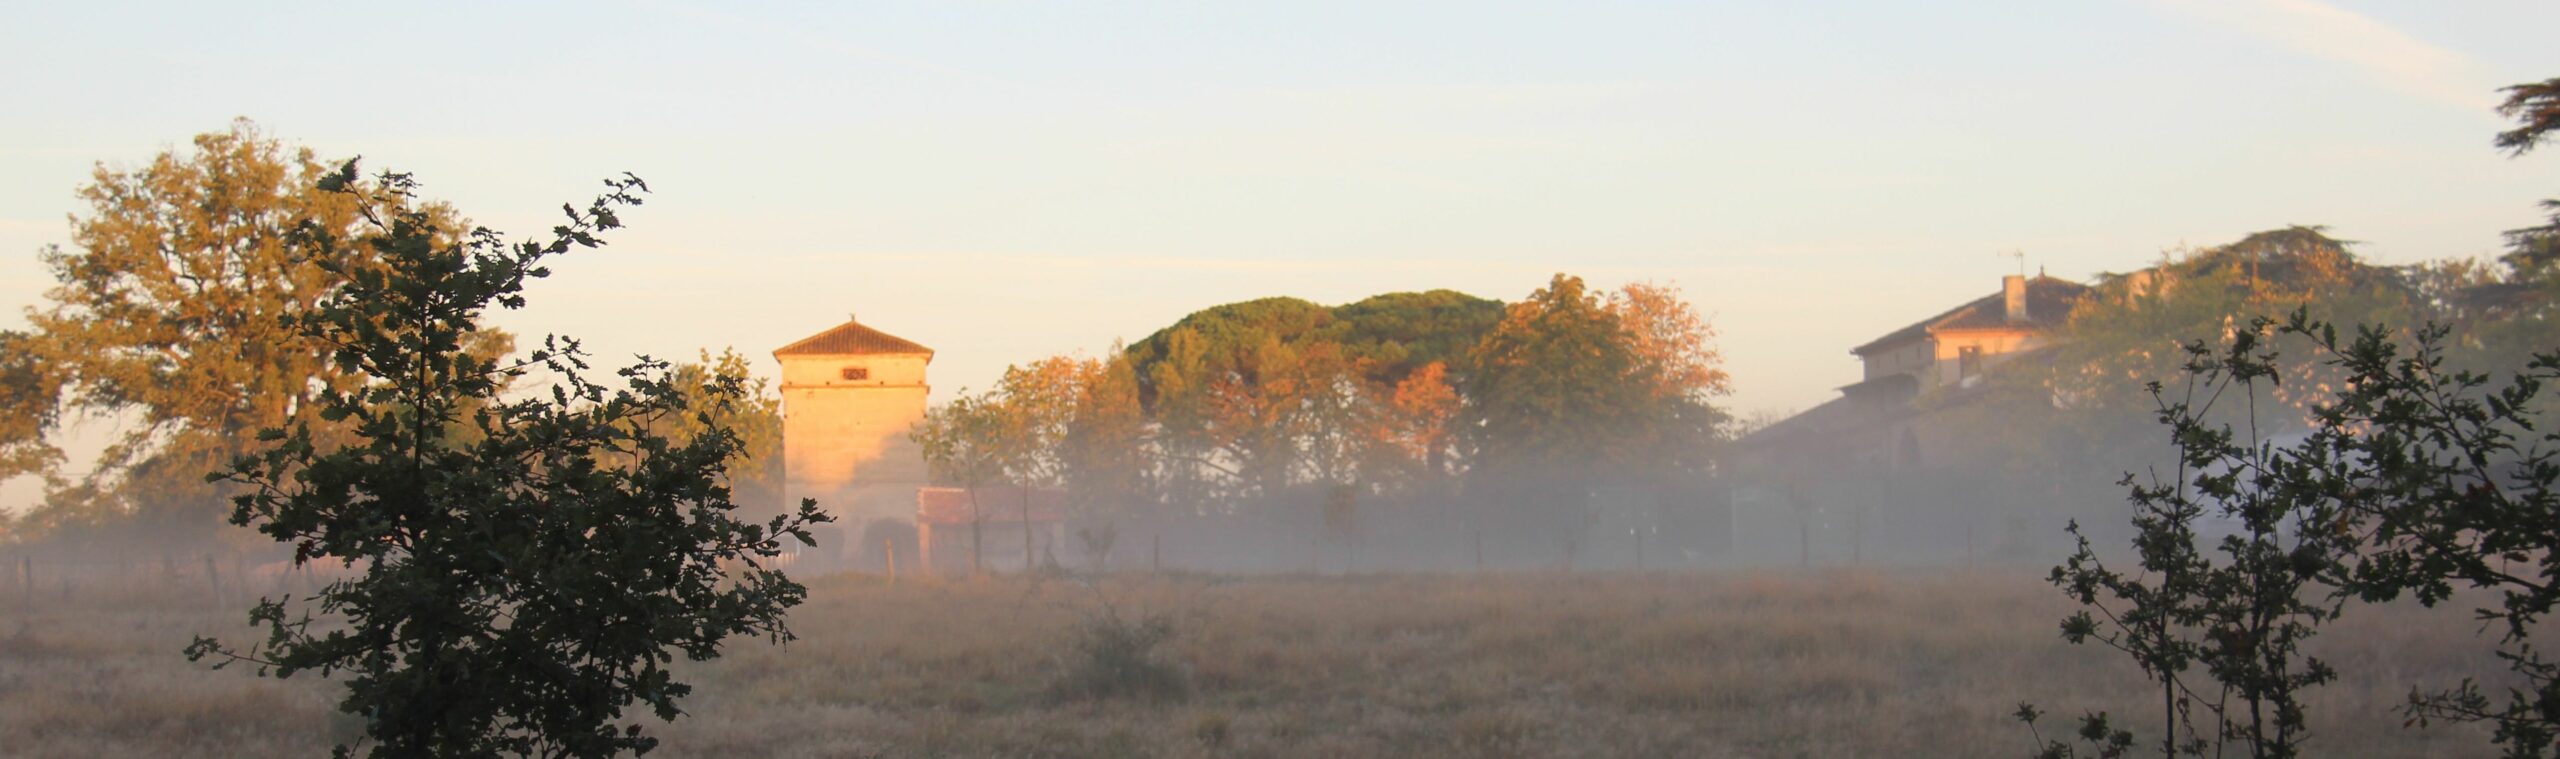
(1280, 407)
(169, 295)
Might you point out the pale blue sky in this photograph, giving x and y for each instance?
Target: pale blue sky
(1007, 180)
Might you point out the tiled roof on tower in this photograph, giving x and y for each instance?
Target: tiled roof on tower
(851, 338)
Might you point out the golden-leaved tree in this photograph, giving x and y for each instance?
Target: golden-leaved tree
(166, 318)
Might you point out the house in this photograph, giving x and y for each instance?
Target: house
(1956, 347)
(850, 395)
(1830, 483)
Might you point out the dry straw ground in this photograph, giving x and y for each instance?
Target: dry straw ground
(1837, 664)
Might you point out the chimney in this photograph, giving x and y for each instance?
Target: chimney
(2013, 289)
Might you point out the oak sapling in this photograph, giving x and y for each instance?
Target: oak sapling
(526, 564)
(2237, 606)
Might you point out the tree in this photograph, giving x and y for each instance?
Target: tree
(528, 567)
(2416, 477)
(1675, 344)
(2130, 332)
(2518, 310)
(2537, 105)
(1675, 348)
(755, 417)
(2242, 615)
(28, 408)
(1254, 398)
(1559, 402)
(1107, 455)
(1418, 428)
(165, 313)
(963, 446)
(1397, 334)
(1035, 405)
(1558, 386)
(2057, 432)
(2449, 480)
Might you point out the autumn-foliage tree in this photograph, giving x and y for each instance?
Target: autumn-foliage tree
(1059, 423)
(1108, 456)
(525, 566)
(1585, 381)
(754, 416)
(1557, 387)
(1574, 388)
(1415, 433)
(165, 315)
(1036, 408)
(1675, 349)
(964, 446)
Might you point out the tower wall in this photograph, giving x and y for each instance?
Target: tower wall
(845, 439)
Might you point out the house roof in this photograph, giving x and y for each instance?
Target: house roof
(850, 339)
(2048, 301)
(1819, 434)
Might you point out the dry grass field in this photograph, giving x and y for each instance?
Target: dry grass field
(1834, 664)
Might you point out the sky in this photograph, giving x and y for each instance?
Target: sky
(1008, 180)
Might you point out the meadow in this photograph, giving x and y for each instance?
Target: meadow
(1863, 663)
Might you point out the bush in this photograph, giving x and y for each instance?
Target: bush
(1115, 656)
(527, 564)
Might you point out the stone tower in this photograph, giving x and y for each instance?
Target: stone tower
(849, 396)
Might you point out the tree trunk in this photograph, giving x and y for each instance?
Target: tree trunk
(977, 535)
(213, 579)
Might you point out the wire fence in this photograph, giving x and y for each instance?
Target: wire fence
(29, 578)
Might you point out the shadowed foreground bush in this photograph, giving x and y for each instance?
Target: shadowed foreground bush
(1115, 657)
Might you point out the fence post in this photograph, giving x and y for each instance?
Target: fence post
(1479, 550)
(27, 578)
(1155, 554)
(213, 578)
(889, 550)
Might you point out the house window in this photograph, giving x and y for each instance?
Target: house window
(857, 372)
(1969, 361)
